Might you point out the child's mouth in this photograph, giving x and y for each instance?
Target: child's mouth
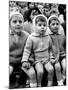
(18, 27)
(42, 31)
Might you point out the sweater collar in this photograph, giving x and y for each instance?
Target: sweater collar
(54, 34)
(15, 33)
(38, 35)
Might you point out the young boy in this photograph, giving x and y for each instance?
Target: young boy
(17, 40)
(38, 43)
(54, 11)
(58, 47)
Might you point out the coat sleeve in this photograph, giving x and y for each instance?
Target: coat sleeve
(63, 53)
(27, 49)
(50, 49)
(52, 57)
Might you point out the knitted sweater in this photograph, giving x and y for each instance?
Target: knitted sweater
(39, 45)
(58, 45)
(16, 46)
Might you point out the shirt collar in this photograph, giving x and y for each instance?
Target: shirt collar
(38, 35)
(15, 33)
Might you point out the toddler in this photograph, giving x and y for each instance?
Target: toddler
(39, 44)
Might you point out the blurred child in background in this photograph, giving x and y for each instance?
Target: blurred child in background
(32, 12)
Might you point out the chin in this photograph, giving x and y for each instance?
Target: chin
(18, 30)
(55, 32)
(42, 33)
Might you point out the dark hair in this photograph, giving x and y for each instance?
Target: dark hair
(30, 11)
(40, 18)
(28, 3)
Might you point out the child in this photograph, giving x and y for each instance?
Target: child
(58, 42)
(17, 40)
(54, 11)
(38, 43)
(32, 12)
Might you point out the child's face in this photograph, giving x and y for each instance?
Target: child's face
(54, 26)
(16, 23)
(46, 11)
(54, 13)
(41, 27)
(33, 14)
(31, 5)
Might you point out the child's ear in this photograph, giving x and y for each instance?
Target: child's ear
(10, 23)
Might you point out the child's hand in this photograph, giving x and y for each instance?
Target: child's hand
(26, 65)
(52, 61)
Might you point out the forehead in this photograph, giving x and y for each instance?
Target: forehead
(40, 18)
(41, 22)
(54, 21)
(17, 17)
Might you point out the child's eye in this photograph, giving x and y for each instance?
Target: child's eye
(57, 24)
(20, 21)
(39, 24)
(14, 21)
(53, 24)
(44, 25)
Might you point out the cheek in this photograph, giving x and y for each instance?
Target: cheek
(45, 28)
(12, 25)
(37, 29)
(22, 24)
(51, 27)
(58, 26)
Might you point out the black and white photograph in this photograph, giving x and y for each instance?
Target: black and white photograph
(37, 44)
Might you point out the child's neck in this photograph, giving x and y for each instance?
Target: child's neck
(42, 35)
(16, 33)
(55, 33)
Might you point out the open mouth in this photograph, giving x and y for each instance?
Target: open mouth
(18, 27)
(42, 31)
(56, 30)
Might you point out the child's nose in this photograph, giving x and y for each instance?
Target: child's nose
(55, 25)
(18, 23)
(42, 26)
